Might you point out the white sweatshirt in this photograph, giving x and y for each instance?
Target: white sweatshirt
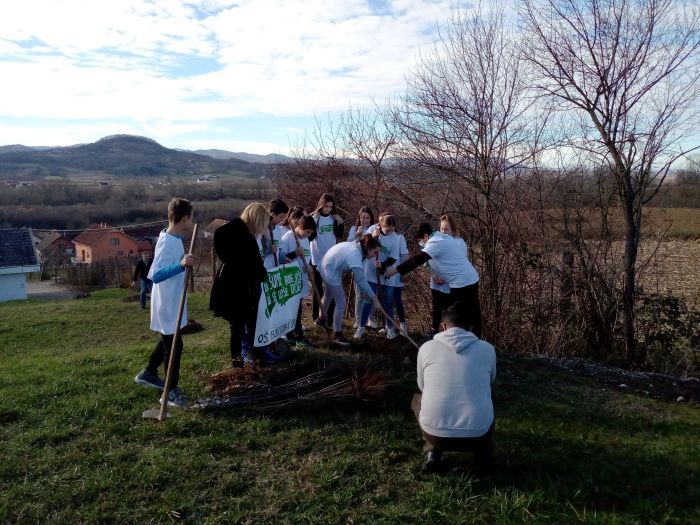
(455, 373)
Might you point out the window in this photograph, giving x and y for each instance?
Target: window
(114, 241)
(83, 255)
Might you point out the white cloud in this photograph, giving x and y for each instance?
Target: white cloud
(112, 61)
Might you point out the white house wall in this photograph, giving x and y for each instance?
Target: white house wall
(13, 286)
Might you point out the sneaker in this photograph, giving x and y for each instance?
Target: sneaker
(302, 343)
(433, 461)
(359, 334)
(339, 339)
(247, 358)
(372, 323)
(175, 398)
(391, 333)
(404, 328)
(382, 330)
(146, 378)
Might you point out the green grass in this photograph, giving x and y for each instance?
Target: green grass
(74, 448)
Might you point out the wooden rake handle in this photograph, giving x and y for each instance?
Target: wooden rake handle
(398, 328)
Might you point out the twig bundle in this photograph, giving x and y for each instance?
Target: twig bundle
(329, 385)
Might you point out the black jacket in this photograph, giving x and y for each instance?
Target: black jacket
(141, 271)
(235, 291)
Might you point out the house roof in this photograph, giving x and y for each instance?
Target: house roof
(91, 235)
(213, 225)
(95, 232)
(16, 248)
(48, 240)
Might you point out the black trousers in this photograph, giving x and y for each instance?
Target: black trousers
(161, 356)
(238, 333)
(298, 328)
(318, 281)
(482, 446)
(468, 299)
(440, 302)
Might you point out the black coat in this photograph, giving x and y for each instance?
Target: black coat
(236, 289)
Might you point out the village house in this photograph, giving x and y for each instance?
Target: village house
(103, 242)
(55, 246)
(17, 259)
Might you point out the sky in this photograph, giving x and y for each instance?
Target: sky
(249, 75)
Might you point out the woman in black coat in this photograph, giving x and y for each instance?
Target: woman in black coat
(235, 292)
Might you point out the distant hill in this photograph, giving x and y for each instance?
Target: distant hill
(127, 155)
(19, 147)
(270, 158)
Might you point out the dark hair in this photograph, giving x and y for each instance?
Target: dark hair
(278, 206)
(368, 242)
(454, 316)
(365, 209)
(295, 212)
(178, 209)
(424, 229)
(326, 197)
(307, 222)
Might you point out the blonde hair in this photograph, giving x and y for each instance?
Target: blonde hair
(256, 217)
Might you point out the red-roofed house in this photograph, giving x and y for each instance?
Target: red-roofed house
(55, 245)
(102, 242)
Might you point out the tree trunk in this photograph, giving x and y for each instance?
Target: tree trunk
(629, 292)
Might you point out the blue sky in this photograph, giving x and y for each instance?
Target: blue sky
(242, 76)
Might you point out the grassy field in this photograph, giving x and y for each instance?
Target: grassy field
(74, 448)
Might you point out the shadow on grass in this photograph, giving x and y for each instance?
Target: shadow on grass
(580, 451)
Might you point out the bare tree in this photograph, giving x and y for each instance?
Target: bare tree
(630, 69)
(468, 117)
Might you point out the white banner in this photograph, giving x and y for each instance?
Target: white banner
(279, 303)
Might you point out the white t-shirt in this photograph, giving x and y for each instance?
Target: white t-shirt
(353, 231)
(452, 258)
(392, 246)
(434, 268)
(339, 259)
(325, 238)
(165, 295)
(288, 245)
(277, 233)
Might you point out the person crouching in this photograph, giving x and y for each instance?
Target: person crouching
(456, 371)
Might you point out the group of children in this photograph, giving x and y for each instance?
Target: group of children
(376, 255)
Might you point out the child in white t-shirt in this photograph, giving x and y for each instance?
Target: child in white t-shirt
(392, 250)
(365, 219)
(304, 227)
(341, 258)
(167, 274)
(278, 213)
(329, 226)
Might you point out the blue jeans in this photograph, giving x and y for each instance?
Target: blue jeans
(145, 288)
(386, 296)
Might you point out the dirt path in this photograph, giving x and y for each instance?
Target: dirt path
(48, 290)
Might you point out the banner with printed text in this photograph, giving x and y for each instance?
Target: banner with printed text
(279, 303)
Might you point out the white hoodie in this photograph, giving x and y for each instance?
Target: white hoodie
(455, 374)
